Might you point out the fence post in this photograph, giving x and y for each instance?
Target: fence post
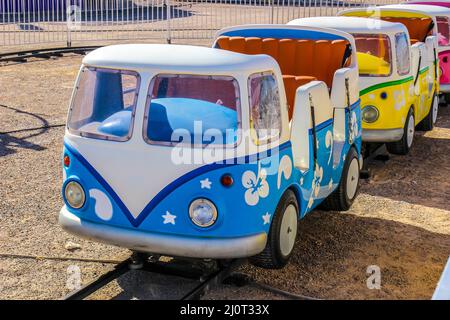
(68, 24)
(168, 17)
(271, 11)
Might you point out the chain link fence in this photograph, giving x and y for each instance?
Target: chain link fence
(45, 23)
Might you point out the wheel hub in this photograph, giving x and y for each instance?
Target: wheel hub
(288, 231)
(410, 131)
(352, 178)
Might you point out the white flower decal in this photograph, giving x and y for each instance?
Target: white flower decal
(411, 90)
(284, 169)
(329, 144)
(318, 175)
(399, 99)
(256, 186)
(315, 187)
(354, 130)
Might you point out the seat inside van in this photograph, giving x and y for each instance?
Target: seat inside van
(377, 46)
(300, 61)
(418, 28)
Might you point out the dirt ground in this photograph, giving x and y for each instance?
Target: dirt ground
(400, 221)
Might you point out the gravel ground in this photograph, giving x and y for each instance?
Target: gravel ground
(400, 221)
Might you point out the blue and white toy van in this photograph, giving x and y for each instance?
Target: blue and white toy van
(208, 153)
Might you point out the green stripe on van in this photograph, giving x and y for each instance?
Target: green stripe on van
(424, 70)
(385, 84)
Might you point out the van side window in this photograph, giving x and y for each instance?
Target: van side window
(402, 53)
(265, 112)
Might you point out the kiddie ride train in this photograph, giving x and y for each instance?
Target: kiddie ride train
(398, 82)
(441, 10)
(213, 152)
(397, 100)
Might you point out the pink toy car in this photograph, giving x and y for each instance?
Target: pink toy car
(443, 45)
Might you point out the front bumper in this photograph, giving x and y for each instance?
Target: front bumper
(387, 135)
(171, 245)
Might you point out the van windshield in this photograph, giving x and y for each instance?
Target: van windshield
(192, 110)
(104, 104)
(374, 54)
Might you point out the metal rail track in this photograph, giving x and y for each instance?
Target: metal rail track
(209, 274)
(372, 152)
(23, 56)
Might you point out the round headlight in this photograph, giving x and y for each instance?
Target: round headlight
(74, 194)
(203, 212)
(370, 114)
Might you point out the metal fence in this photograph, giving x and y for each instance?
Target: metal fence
(45, 23)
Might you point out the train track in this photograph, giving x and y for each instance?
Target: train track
(23, 56)
(209, 274)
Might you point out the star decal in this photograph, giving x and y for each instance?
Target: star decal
(266, 218)
(205, 184)
(169, 218)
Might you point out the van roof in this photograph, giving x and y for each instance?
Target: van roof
(419, 9)
(351, 24)
(176, 58)
(427, 9)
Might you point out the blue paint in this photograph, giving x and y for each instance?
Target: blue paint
(324, 124)
(172, 186)
(72, 152)
(282, 34)
(236, 218)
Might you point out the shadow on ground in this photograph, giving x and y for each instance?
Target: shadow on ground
(421, 177)
(9, 141)
(334, 251)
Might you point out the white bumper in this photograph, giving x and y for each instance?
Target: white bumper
(171, 245)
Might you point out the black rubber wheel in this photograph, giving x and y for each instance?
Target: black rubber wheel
(403, 146)
(282, 235)
(342, 198)
(427, 124)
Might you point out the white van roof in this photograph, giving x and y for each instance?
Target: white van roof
(426, 9)
(177, 58)
(351, 24)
